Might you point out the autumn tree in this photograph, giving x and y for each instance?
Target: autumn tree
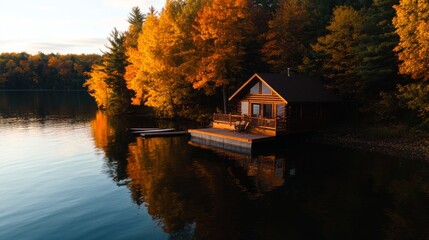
(97, 86)
(220, 32)
(136, 20)
(141, 60)
(284, 47)
(268, 5)
(339, 55)
(412, 26)
(157, 80)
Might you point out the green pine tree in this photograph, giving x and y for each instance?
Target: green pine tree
(378, 63)
(115, 62)
(136, 20)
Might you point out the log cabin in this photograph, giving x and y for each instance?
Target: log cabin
(275, 104)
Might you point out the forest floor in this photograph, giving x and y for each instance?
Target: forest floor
(392, 140)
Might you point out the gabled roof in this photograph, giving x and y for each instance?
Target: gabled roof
(294, 88)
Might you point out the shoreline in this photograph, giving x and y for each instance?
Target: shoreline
(409, 147)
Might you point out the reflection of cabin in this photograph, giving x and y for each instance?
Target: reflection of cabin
(276, 104)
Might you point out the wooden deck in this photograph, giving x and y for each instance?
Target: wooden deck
(228, 139)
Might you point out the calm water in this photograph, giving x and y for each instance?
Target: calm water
(70, 172)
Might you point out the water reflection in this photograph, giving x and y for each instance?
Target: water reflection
(42, 104)
(256, 173)
(298, 190)
(110, 135)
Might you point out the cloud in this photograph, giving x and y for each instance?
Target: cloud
(143, 4)
(89, 45)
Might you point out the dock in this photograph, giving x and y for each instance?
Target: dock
(228, 139)
(165, 134)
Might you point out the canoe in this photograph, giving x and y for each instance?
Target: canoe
(155, 130)
(165, 134)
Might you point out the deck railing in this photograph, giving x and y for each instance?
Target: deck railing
(270, 123)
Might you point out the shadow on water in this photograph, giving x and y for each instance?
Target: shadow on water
(287, 189)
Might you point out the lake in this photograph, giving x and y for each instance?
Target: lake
(68, 171)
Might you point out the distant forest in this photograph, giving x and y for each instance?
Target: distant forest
(188, 58)
(41, 71)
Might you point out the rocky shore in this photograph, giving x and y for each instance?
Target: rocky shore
(411, 146)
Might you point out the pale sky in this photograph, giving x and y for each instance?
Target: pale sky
(64, 26)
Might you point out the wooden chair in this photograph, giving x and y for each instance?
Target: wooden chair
(237, 126)
(244, 127)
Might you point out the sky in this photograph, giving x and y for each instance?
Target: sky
(64, 26)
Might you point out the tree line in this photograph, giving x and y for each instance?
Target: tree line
(45, 71)
(189, 57)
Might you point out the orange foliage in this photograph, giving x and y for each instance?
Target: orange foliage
(221, 28)
(97, 87)
(284, 47)
(101, 131)
(412, 26)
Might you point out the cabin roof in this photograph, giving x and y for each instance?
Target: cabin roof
(293, 88)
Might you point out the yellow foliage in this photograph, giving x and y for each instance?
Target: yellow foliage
(101, 131)
(412, 26)
(97, 87)
(154, 70)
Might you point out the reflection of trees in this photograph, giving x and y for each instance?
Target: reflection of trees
(197, 193)
(110, 135)
(257, 173)
(42, 104)
(356, 195)
(408, 215)
(185, 191)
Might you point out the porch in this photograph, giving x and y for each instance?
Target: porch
(268, 126)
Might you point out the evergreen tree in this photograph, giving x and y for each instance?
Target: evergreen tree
(115, 62)
(136, 20)
(339, 53)
(378, 64)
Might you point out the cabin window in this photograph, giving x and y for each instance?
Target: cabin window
(265, 89)
(255, 89)
(268, 111)
(260, 88)
(280, 110)
(256, 110)
(245, 108)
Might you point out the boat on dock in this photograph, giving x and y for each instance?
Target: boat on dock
(165, 134)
